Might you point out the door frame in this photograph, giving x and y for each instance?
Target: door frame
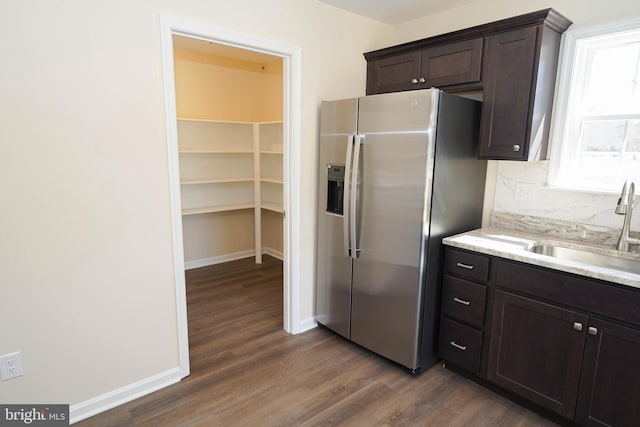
(292, 66)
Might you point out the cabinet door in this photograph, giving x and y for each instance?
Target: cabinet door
(610, 382)
(451, 64)
(536, 351)
(507, 99)
(393, 74)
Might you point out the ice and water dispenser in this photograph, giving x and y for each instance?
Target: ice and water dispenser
(335, 188)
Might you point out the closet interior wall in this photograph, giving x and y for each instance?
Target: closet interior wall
(229, 108)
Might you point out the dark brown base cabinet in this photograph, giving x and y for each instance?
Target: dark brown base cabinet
(567, 344)
(536, 351)
(610, 383)
(511, 62)
(463, 307)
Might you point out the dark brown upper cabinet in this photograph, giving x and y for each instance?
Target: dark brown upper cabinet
(512, 62)
(520, 70)
(394, 74)
(437, 66)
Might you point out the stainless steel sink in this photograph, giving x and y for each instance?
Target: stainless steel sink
(586, 257)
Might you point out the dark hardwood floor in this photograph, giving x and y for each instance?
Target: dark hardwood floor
(246, 371)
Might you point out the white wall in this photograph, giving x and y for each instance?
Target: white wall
(583, 207)
(86, 281)
(211, 87)
(582, 13)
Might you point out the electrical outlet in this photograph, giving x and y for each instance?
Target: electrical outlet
(525, 191)
(11, 366)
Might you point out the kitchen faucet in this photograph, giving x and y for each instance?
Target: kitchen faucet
(625, 207)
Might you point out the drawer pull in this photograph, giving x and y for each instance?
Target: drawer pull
(592, 331)
(458, 346)
(414, 81)
(577, 326)
(465, 266)
(461, 301)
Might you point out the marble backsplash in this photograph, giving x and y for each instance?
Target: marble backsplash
(586, 233)
(571, 214)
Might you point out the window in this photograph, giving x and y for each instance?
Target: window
(596, 138)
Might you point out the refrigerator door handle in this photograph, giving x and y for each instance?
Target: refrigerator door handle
(345, 197)
(358, 140)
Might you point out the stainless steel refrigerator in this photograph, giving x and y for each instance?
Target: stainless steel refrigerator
(397, 173)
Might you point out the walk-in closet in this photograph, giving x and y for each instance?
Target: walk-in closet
(229, 120)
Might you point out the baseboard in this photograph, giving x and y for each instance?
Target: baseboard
(188, 265)
(305, 325)
(122, 395)
(272, 252)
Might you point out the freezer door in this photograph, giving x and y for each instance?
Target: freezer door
(338, 120)
(395, 173)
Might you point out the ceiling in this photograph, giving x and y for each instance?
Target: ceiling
(396, 11)
(388, 11)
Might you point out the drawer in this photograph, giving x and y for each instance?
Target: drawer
(463, 300)
(460, 345)
(614, 301)
(467, 265)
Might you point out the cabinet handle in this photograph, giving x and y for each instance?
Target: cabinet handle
(577, 326)
(414, 81)
(422, 80)
(592, 330)
(516, 147)
(467, 266)
(461, 301)
(458, 346)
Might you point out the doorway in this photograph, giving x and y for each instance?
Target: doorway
(291, 61)
(230, 138)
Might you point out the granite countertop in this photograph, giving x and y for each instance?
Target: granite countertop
(512, 244)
